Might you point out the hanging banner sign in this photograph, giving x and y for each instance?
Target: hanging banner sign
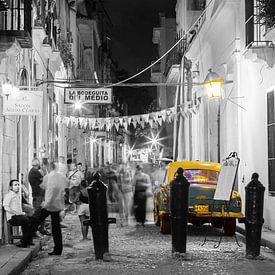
(88, 95)
(23, 103)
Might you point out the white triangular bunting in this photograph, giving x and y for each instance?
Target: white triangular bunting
(134, 123)
(160, 120)
(85, 123)
(121, 120)
(146, 117)
(151, 122)
(163, 115)
(81, 121)
(117, 125)
(125, 125)
(142, 124)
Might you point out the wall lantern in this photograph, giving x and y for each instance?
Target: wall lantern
(42, 149)
(7, 89)
(213, 83)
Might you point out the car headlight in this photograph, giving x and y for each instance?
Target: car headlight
(164, 200)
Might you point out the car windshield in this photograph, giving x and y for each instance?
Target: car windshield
(201, 176)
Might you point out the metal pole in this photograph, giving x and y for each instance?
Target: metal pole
(179, 192)
(181, 139)
(219, 130)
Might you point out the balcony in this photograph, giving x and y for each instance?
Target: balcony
(85, 26)
(172, 65)
(174, 58)
(194, 30)
(3, 5)
(259, 19)
(15, 24)
(156, 72)
(85, 74)
(259, 30)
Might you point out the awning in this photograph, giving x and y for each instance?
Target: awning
(9, 37)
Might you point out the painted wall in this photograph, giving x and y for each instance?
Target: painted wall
(243, 106)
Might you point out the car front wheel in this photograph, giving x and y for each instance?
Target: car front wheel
(229, 227)
(165, 227)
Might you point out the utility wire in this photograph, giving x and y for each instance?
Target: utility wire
(108, 85)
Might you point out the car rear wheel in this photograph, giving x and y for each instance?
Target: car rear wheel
(229, 227)
(217, 224)
(165, 227)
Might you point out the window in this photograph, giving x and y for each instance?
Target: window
(18, 16)
(201, 176)
(271, 141)
(195, 5)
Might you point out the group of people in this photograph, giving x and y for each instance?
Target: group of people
(51, 203)
(129, 190)
(56, 187)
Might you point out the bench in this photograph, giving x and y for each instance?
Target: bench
(12, 231)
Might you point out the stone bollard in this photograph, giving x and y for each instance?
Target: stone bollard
(98, 216)
(254, 202)
(179, 189)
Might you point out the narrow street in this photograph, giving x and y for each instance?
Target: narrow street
(138, 250)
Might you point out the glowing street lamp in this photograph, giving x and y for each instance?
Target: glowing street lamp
(154, 141)
(93, 140)
(7, 89)
(213, 83)
(78, 105)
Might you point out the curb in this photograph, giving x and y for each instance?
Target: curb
(264, 241)
(21, 259)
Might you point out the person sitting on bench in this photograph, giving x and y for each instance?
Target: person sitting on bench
(15, 216)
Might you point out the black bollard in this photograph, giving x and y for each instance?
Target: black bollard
(254, 202)
(98, 216)
(179, 189)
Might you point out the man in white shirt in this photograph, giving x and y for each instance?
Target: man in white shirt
(15, 216)
(54, 184)
(62, 167)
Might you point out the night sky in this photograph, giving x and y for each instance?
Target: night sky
(133, 22)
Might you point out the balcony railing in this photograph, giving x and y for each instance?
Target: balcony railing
(259, 17)
(194, 29)
(174, 57)
(85, 74)
(16, 16)
(3, 5)
(156, 68)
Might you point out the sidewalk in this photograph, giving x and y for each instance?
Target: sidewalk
(268, 236)
(13, 259)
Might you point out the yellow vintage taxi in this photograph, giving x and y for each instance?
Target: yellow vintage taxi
(203, 178)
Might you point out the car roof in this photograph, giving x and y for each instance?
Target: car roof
(202, 165)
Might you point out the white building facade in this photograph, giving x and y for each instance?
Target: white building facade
(242, 120)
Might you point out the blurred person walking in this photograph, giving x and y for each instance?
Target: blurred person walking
(114, 193)
(126, 188)
(83, 210)
(141, 183)
(75, 176)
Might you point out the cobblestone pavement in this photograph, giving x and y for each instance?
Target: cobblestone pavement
(138, 250)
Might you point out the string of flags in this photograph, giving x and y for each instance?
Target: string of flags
(154, 119)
